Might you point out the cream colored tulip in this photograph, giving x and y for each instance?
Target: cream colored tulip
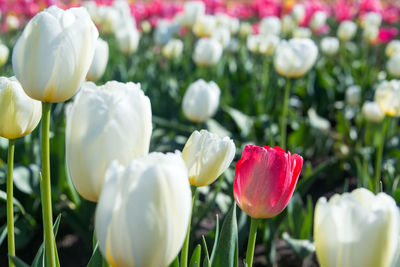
(207, 156)
(392, 48)
(173, 49)
(371, 19)
(262, 44)
(222, 35)
(127, 40)
(372, 112)
(288, 24)
(144, 211)
(294, 58)
(207, 52)
(245, 29)
(353, 95)
(105, 123)
(302, 32)
(201, 100)
(270, 25)
(356, 229)
(4, 52)
(387, 96)
(204, 26)
(99, 62)
(19, 114)
(393, 65)
(346, 30)
(330, 46)
(298, 13)
(53, 55)
(192, 10)
(370, 34)
(318, 20)
(12, 22)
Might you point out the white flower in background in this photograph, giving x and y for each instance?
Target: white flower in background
(207, 156)
(144, 210)
(19, 114)
(12, 22)
(173, 49)
(233, 46)
(245, 29)
(317, 121)
(302, 32)
(288, 24)
(253, 43)
(105, 123)
(393, 47)
(262, 44)
(372, 111)
(4, 52)
(393, 65)
(353, 95)
(372, 19)
(222, 19)
(370, 34)
(318, 20)
(387, 96)
(99, 62)
(347, 30)
(127, 40)
(204, 26)
(222, 35)
(109, 19)
(294, 58)
(207, 52)
(192, 10)
(270, 25)
(356, 229)
(53, 55)
(146, 27)
(298, 13)
(330, 46)
(201, 100)
(234, 24)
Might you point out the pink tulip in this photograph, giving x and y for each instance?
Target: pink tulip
(387, 34)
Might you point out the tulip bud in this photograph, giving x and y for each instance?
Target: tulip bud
(294, 58)
(4, 52)
(330, 46)
(173, 49)
(201, 100)
(109, 20)
(12, 22)
(53, 55)
(393, 47)
(207, 52)
(144, 211)
(356, 229)
(204, 26)
(393, 65)
(372, 19)
(346, 30)
(370, 34)
(99, 62)
(222, 35)
(265, 179)
(302, 32)
(318, 20)
(262, 44)
(372, 112)
(298, 13)
(19, 114)
(192, 10)
(288, 24)
(245, 29)
(207, 156)
(353, 95)
(270, 25)
(115, 118)
(387, 96)
(127, 39)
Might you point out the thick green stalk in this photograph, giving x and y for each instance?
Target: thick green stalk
(252, 242)
(185, 247)
(10, 204)
(283, 120)
(379, 154)
(46, 187)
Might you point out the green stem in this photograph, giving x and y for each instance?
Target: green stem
(252, 242)
(46, 187)
(10, 204)
(283, 120)
(185, 247)
(378, 163)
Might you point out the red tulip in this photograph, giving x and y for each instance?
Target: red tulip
(265, 179)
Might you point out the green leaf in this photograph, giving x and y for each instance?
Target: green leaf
(18, 262)
(26, 179)
(175, 263)
(96, 259)
(206, 262)
(242, 121)
(195, 259)
(225, 253)
(215, 239)
(302, 247)
(3, 196)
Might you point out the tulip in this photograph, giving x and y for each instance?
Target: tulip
(353, 95)
(346, 30)
(207, 52)
(19, 114)
(12, 22)
(207, 156)
(109, 19)
(372, 19)
(393, 65)
(288, 24)
(392, 48)
(115, 118)
(201, 100)
(370, 34)
(222, 35)
(245, 29)
(173, 49)
(302, 32)
(164, 31)
(387, 96)
(294, 58)
(204, 26)
(356, 229)
(298, 13)
(99, 62)
(318, 20)
(234, 24)
(143, 211)
(127, 40)
(270, 25)
(192, 10)
(372, 112)
(330, 46)
(262, 44)
(53, 55)
(4, 52)
(317, 121)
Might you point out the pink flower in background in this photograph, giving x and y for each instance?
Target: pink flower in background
(256, 28)
(390, 14)
(387, 34)
(344, 10)
(370, 5)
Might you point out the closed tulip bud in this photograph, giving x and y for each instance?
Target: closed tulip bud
(207, 156)
(298, 13)
(330, 46)
(53, 55)
(4, 52)
(127, 40)
(262, 44)
(19, 114)
(234, 24)
(204, 26)
(144, 211)
(294, 58)
(110, 20)
(245, 29)
(387, 96)
(393, 65)
(392, 48)
(265, 179)
(372, 19)
(372, 112)
(105, 123)
(222, 35)
(270, 25)
(173, 49)
(207, 52)
(302, 32)
(353, 95)
(12, 22)
(346, 30)
(288, 24)
(201, 100)
(356, 229)
(192, 10)
(370, 34)
(99, 62)
(318, 20)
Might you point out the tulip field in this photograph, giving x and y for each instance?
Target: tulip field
(200, 133)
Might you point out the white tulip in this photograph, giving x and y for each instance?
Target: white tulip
(19, 114)
(207, 156)
(192, 10)
(109, 19)
(356, 229)
(294, 58)
(12, 22)
(329, 46)
(105, 123)
(4, 52)
(353, 95)
(204, 26)
(234, 24)
(144, 211)
(393, 65)
(173, 49)
(288, 24)
(372, 112)
(298, 13)
(262, 44)
(53, 55)
(127, 40)
(372, 19)
(207, 52)
(99, 62)
(270, 25)
(318, 20)
(222, 35)
(393, 47)
(346, 30)
(387, 96)
(245, 29)
(370, 34)
(302, 32)
(201, 100)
